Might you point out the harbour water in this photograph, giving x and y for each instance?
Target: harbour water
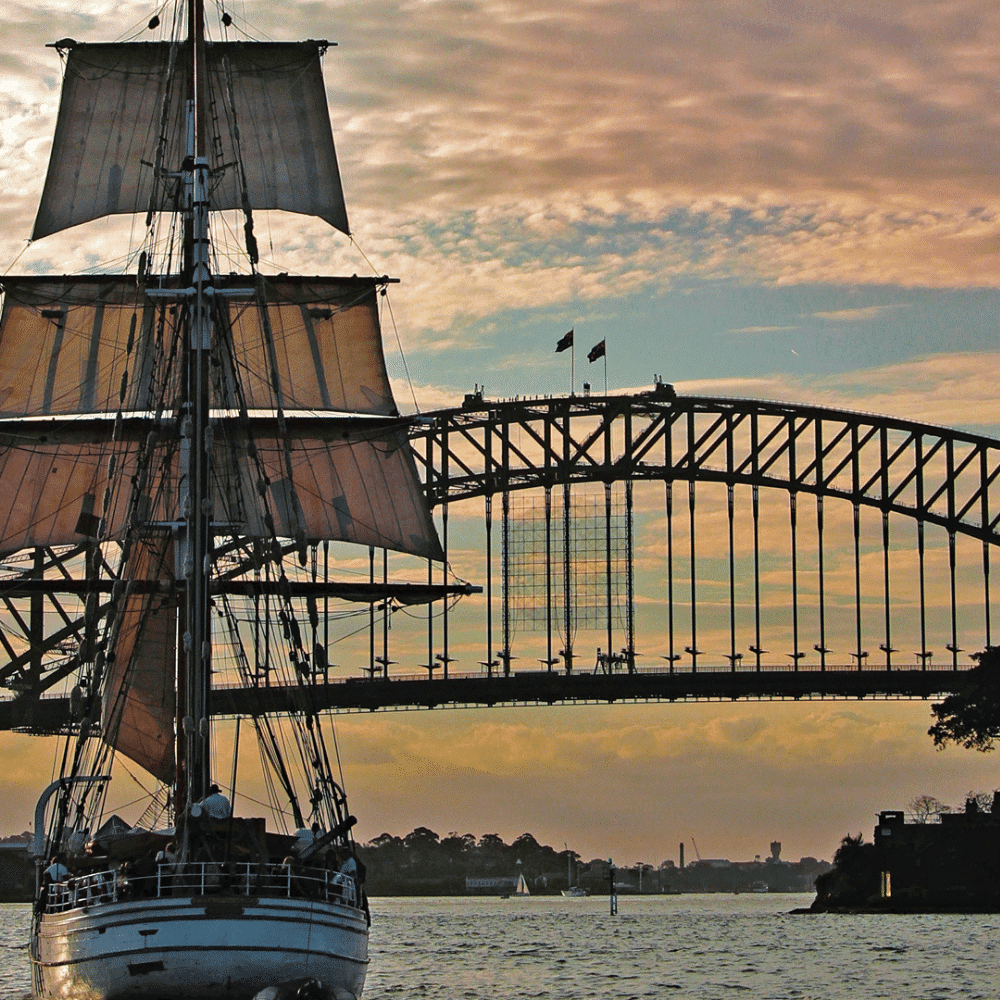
(704, 947)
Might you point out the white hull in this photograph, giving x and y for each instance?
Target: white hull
(199, 947)
(575, 892)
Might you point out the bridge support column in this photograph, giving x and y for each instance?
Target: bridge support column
(445, 656)
(629, 578)
(822, 585)
(505, 656)
(793, 527)
(755, 511)
(548, 578)
(609, 589)
(371, 611)
(694, 573)
(668, 502)
(860, 653)
(567, 580)
(732, 579)
(489, 584)
(886, 598)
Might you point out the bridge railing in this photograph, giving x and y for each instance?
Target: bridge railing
(743, 667)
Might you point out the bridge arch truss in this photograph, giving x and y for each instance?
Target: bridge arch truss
(921, 505)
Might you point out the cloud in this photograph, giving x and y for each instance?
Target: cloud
(525, 155)
(664, 763)
(412, 398)
(933, 389)
(856, 315)
(761, 329)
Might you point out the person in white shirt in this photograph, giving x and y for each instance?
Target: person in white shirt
(168, 856)
(213, 806)
(57, 871)
(305, 840)
(350, 867)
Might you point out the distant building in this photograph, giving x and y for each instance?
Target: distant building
(950, 864)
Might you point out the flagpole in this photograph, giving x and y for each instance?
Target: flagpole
(567, 340)
(600, 350)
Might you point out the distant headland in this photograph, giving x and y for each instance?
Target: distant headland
(422, 863)
(942, 861)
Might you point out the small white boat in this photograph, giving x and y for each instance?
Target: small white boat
(573, 891)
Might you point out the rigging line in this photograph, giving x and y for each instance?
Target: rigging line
(140, 26)
(357, 246)
(423, 617)
(260, 34)
(259, 802)
(336, 751)
(141, 798)
(399, 345)
(27, 243)
(454, 575)
(271, 743)
(362, 628)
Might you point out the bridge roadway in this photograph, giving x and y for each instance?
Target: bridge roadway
(542, 687)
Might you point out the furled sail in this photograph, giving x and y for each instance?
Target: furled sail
(269, 103)
(139, 698)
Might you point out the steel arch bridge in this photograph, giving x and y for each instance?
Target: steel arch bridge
(895, 471)
(885, 529)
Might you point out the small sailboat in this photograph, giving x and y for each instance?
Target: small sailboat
(189, 437)
(572, 891)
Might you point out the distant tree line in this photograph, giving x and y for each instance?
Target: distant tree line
(423, 863)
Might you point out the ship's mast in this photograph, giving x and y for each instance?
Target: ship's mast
(195, 533)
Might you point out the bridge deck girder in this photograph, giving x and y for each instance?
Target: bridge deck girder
(50, 715)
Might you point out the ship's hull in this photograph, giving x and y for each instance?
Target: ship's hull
(195, 948)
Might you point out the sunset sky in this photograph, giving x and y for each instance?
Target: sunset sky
(775, 199)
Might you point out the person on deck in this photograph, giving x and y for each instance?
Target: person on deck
(349, 868)
(57, 870)
(166, 867)
(214, 805)
(306, 838)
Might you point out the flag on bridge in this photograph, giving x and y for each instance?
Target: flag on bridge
(565, 343)
(597, 351)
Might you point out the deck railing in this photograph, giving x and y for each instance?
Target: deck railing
(202, 878)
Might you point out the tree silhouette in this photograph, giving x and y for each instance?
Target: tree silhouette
(970, 717)
(926, 808)
(854, 879)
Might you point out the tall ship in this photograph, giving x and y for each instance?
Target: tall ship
(180, 444)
